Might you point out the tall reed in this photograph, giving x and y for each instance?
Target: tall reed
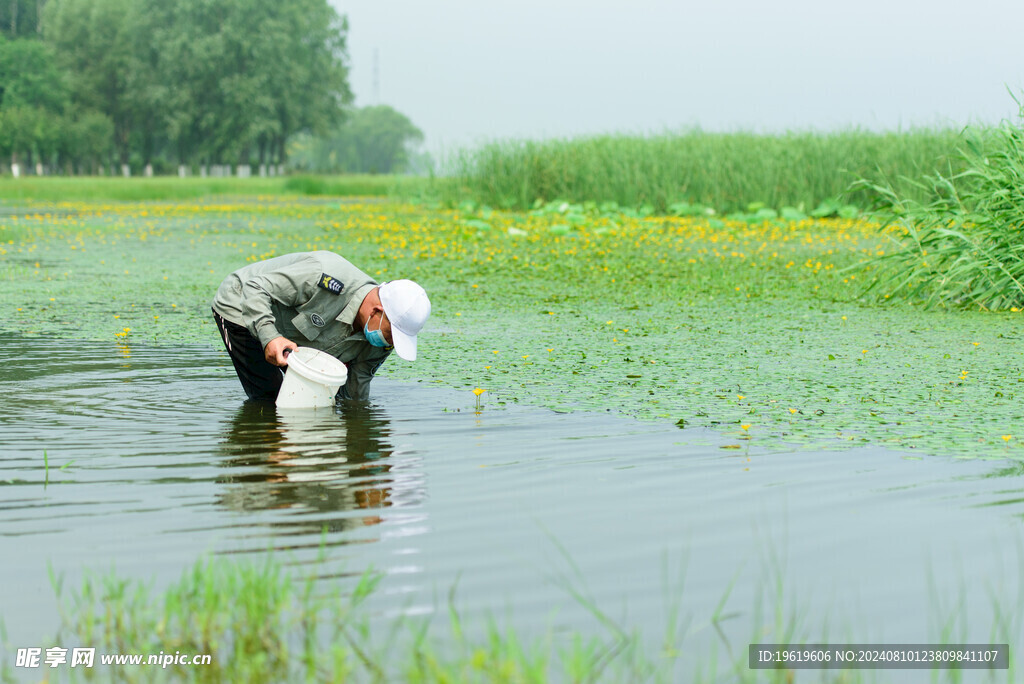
(964, 247)
(726, 171)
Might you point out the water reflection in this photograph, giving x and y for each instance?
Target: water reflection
(335, 470)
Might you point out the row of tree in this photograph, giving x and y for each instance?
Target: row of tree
(90, 83)
(36, 120)
(375, 139)
(21, 17)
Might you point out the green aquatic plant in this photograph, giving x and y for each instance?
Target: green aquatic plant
(46, 468)
(965, 246)
(261, 624)
(695, 168)
(658, 317)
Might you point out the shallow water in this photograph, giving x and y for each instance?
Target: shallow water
(166, 462)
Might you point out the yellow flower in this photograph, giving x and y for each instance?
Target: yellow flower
(1007, 438)
(745, 427)
(741, 396)
(792, 410)
(478, 391)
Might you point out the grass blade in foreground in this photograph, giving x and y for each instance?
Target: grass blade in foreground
(261, 626)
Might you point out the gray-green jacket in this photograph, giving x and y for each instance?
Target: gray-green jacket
(312, 299)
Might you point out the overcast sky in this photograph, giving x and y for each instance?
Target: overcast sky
(466, 70)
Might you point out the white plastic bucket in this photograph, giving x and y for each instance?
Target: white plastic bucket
(312, 380)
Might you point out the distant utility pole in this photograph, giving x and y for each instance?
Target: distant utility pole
(376, 76)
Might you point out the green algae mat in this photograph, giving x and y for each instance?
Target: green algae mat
(759, 330)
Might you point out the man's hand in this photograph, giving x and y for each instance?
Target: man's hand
(274, 351)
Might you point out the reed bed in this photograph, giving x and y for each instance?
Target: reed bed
(965, 246)
(726, 171)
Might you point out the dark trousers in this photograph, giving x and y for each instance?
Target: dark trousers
(260, 379)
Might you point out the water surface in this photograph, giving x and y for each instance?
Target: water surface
(165, 462)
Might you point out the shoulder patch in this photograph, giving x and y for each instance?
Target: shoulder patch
(331, 284)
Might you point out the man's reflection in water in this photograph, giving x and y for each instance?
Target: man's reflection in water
(333, 468)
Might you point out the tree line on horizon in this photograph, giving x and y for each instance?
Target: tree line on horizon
(90, 84)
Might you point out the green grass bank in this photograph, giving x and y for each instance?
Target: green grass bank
(58, 188)
(726, 171)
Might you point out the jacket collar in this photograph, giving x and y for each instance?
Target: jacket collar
(348, 314)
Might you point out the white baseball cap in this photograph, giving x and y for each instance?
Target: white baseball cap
(407, 307)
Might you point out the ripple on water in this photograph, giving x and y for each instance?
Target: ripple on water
(154, 460)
